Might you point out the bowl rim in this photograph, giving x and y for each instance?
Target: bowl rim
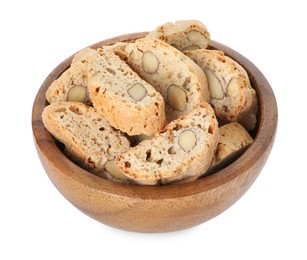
(264, 138)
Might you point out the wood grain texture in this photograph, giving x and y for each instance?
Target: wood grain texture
(158, 208)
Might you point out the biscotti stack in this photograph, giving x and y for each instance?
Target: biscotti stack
(158, 110)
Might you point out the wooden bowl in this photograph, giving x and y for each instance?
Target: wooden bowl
(158, 208)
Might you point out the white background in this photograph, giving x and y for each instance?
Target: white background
(36, 222)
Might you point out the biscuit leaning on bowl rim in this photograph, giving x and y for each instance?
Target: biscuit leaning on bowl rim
(233, 142)
(130, 207)
(232, 96)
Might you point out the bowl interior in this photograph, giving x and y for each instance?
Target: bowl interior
(263, 134)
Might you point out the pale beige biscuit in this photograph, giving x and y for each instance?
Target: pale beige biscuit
(233, 140)
(232, 96)
(180, 81)
(72, 85)
(88, 137)
(183, 35)
(123, 97)
(184, 149)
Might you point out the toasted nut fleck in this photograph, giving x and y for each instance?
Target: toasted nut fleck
(171, 150)
(177, 97)
(187, 140)
(113, 170)
(75, 110)
(195, 37)
(150, 62)
(216, 90)
(76, 93)
(137, 91)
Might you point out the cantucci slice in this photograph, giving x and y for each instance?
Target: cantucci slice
(123, 97)
(232, 96)
(180, 81)
(184, 149)
(88, 137)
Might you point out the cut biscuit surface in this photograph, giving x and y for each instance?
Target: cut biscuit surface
(88, 137)
(182, 84)
(183, 35)
(123, 97)
(232, 96)
(182, 150)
